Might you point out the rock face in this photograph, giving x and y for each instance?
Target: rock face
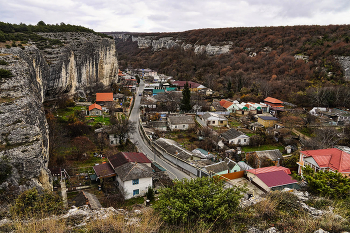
(344, 61)
(23, 128)
(84, 61)
(169, 42)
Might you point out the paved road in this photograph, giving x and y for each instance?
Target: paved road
(136, 138)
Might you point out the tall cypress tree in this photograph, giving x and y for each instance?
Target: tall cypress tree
(186, 99)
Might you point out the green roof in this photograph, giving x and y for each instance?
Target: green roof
(170, 88)
(156, 91)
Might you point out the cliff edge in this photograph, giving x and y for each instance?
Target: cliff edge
(84, 60)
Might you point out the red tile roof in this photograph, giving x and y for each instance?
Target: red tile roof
(104, 170)
(223, 102)
(227, 104)
(276, 178)
(333, 158)
(104, 97)
(273, 100)
(125, 157)
(269, 169)
(92, 106)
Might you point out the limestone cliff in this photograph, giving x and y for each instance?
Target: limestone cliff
(83, 61)
(169, 42)
(23, 128)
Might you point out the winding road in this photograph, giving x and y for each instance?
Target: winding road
(136, 138)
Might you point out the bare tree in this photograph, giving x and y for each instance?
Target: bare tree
(325, 137)
(122, 127)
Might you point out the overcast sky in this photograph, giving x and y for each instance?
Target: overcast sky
(175, 15)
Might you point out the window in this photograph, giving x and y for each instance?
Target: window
(221, 122)
(183, 126)
(245, 140)
(213, 123)
(175, 126)
(136, 181)
(135, 192)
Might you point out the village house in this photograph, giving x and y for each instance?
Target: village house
(216, 106)
(104, 98)
(158, 125)
(233, 136)
(132, 171)
(274, 103)
(181, 122)
(95, 110)
(213, 119)
(267, 121)
(194, 87)
(227, 105)
(331, 159)
(260, 157)
(272, 178)
(134, 179)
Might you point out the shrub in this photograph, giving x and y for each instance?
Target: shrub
(203, 199)
(150, 194)
(5, 169)
(31, 203)
(5, 74)
(4, 63)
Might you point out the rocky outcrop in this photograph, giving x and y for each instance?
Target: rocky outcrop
(169, 42)
(23, 129)
(344, 61)
(82, 62)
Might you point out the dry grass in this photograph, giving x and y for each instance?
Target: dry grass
(148, 221)
(46, 225)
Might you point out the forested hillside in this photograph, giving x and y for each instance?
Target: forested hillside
(299, 64)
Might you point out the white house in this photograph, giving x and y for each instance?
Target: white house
(233, 136)
(181, 122)
(134, 179)
(214, 119)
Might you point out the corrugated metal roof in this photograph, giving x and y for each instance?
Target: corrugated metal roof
(121, 158)
(273, 100)
(276, 178)
(269, 169)
(332, 157)
(104, 170)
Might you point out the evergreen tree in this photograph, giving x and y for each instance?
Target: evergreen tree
(186, 99)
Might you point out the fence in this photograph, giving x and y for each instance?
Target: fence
(233, 175)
